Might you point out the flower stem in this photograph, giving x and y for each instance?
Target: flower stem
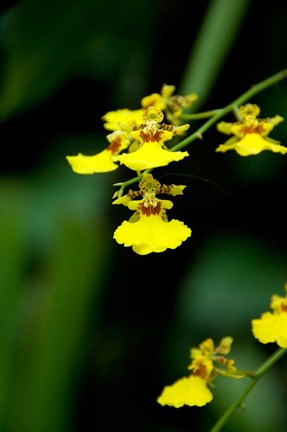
(219, 113)
(198, 116)
(256, 377)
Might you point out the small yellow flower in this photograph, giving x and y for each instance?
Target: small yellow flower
(171, 104)
(207, 361)
(250, 133)
(103, 161)
(148, 229)
(150, 137)
(141, 132)
(272, 326)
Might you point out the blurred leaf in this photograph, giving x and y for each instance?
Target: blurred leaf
(50, 370)
(216, 36)
(57, 222)
(12, 270)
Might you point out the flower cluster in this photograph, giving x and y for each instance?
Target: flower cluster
(141, 139)
(138, 137)
(207, 362)
(272, 326)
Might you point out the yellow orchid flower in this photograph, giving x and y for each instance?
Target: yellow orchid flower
(149, 230)
(207, 361)
(150, 137)
(271, 327)
(250, 133)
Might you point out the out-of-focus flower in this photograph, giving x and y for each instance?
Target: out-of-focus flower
(207, 362)
(148, 230)
(272, 326)
(250, 133)
(172, 105)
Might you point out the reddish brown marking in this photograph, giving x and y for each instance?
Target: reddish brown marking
(251, 129)
(223, 360)
(114, 145)
(283, 308)
(153, 137)
(151, 103)
(133, 194)
(167, 127)
(200, 371)
(150, 210)
(166, 189)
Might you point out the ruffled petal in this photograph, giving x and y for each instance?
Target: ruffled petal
(191, 391)
(149, 155)
(152, 234)
(271, 328)
(252, 144)
(101, 162)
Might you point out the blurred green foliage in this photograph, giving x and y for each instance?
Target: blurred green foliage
(89, 332)
(54, 253)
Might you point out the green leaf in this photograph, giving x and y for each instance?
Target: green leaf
(214, 41)
(12, 270)
(57, 221)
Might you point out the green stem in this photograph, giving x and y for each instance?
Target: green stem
(256, 377)
(123, 185)
(198, 116)
(257, 88)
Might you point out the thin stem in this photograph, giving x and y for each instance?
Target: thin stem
(256, 377)
(128, 183)
(198, 116)
(123, 185)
